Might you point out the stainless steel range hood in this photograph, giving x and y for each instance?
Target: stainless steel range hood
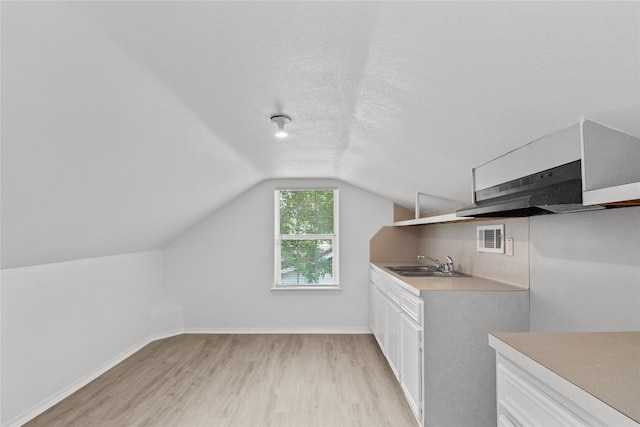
(555, 190)
(552, 174)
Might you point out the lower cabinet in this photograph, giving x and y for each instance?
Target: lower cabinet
(379, 318)
(396, 324)
(521, 401)
(436, 344)
(385, 324)
(393, 337)
(529, 394)
(411, 363)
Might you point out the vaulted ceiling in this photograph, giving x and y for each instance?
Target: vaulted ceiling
(125, 123)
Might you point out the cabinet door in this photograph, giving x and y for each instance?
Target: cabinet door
(411, 363)
(380, 318)
(372, 309)
(393, 337)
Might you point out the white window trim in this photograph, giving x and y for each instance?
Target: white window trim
(335, 286)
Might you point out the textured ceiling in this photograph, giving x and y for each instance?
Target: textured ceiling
(125, 123)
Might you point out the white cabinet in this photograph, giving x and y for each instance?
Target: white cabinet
(385, 319)
(396, 319)
(393, 337)
(504, 422)
(529, 394)
(523, 402)
(379, 318)
(446, 369)
(411, 363)
(373, 320)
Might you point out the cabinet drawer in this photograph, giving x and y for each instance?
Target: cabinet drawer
(381, 284)
(393, 292)
(504, 421)
(412, 306)
(525, 402)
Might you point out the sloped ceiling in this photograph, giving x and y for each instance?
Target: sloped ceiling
(125, 123)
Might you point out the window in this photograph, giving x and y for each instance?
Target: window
(306, 238)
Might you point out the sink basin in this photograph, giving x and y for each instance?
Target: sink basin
(423, 271)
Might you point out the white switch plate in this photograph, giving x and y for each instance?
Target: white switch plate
(509, 246)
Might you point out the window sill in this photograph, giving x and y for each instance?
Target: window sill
(278, 288)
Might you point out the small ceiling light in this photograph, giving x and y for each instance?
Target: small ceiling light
(281, 120)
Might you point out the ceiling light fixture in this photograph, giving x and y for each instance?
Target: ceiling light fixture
(281, 120)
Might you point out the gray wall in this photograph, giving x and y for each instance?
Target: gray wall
(585, 271)
(221, 271)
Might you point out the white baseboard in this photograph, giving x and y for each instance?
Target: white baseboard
(39, 408)
(68, 391)
(164, 335)
(275, 331)
(36, 410)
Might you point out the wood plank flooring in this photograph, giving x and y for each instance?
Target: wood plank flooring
(242, 380)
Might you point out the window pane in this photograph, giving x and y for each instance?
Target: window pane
(306, 261)
(306, 212)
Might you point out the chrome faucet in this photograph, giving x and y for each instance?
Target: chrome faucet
(448, 267)
(435, 261)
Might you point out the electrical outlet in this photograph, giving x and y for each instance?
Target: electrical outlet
(509, 246)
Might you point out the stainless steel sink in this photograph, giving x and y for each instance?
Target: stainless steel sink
(423, 271)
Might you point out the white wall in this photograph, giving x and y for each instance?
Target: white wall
(585, 271)
(63, 322)
(221, 271)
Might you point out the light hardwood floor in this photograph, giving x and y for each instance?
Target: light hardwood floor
(242, 380)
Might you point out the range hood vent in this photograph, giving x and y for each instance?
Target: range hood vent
(555, 190)
(585, 166)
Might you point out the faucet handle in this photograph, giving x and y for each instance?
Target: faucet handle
(449, 265)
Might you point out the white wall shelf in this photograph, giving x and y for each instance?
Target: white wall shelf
(450, 217)
(434, 218)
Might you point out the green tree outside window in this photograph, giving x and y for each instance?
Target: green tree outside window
(307, 232)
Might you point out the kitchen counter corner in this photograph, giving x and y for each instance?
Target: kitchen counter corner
(604, 364)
